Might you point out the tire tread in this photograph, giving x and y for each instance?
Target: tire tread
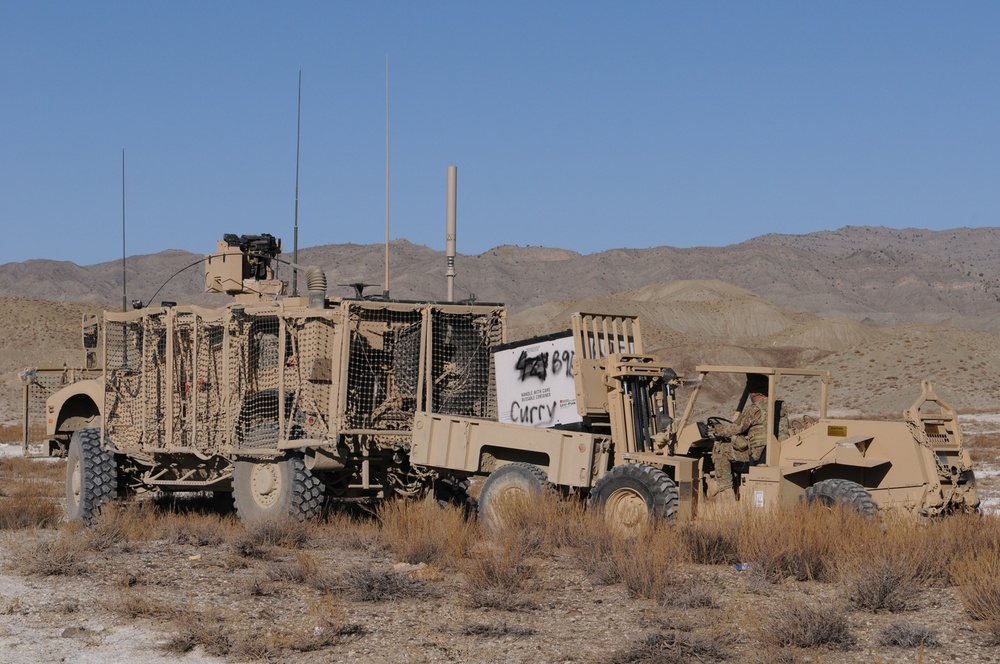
(843, 492)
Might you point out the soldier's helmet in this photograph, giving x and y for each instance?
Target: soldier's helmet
(756, 383)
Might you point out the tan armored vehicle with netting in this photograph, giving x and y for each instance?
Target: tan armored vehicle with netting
(280, 401)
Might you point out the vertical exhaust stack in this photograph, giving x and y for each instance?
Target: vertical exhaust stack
(450, 226)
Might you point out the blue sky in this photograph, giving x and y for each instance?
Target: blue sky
(581, 125)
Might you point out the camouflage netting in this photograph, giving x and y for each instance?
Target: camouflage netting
(210, 381)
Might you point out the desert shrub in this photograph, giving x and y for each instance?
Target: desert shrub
(121, 523)
(423, 532)
(258, 586)
(496, 631)
(325, 624)
(132, 604)
(259, 538)
(222, 633)
(28, 504)
(597, 553)
(882, 585)
(40, 469)
(692, 594)
(199, 529)
(366, 584)
(803, 626)
(803, 543)
(305, 569)
(670, 648)
(977, 575)
(538, 521)
(208, 629)
(65, 555)
(497, 575)
(713, 542)
(904, 634)
(648, 563)
(962, 535)
(885, 570)
(356, 529)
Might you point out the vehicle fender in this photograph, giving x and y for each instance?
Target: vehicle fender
(75, 406)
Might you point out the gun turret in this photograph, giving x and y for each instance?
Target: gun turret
(241, 266)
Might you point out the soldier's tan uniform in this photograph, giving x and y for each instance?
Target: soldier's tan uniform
(747, 440)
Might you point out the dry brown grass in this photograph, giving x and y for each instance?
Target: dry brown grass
(66, 554)
(802, 625)
(670, 648)
(423, 532)
(28, 504)
(542, 523)
(498, 574)
(199, 529)
(802, 543)
(977, 574)
(11, 433)
(354, 528)
(648, 564)
(259, 538)
(597, 551)
(130, 603)
(369, 584)
(904, 634)
(984, 447)
(121, 524)
(41, 469)
(223, 633)
(714, 541)
(304, 568)
(884, 569)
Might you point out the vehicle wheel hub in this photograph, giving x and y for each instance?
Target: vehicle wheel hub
(265, 484)
(626, 509)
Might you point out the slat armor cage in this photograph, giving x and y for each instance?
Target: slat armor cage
(256, 379)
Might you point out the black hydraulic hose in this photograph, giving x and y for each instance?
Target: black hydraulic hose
(642, 388)
(640, 439)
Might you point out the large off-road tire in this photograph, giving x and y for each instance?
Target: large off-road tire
(91, 476)
(513, 482)
(276, 489)
(841, 492)
(634, 495)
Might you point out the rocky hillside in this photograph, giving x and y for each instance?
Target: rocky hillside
(876, 274)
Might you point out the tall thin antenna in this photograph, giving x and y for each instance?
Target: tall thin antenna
(124, 296)
(385, 290)
(450, 232)
(295, 251)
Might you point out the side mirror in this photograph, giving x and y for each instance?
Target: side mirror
(89, 324)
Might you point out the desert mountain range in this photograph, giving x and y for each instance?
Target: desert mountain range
(882, 308)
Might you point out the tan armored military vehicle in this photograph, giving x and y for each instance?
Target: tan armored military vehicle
(279, 400)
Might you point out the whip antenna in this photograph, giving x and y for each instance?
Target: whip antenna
(385, 290)
(295, 237)
(124, 300)
(450, 225)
